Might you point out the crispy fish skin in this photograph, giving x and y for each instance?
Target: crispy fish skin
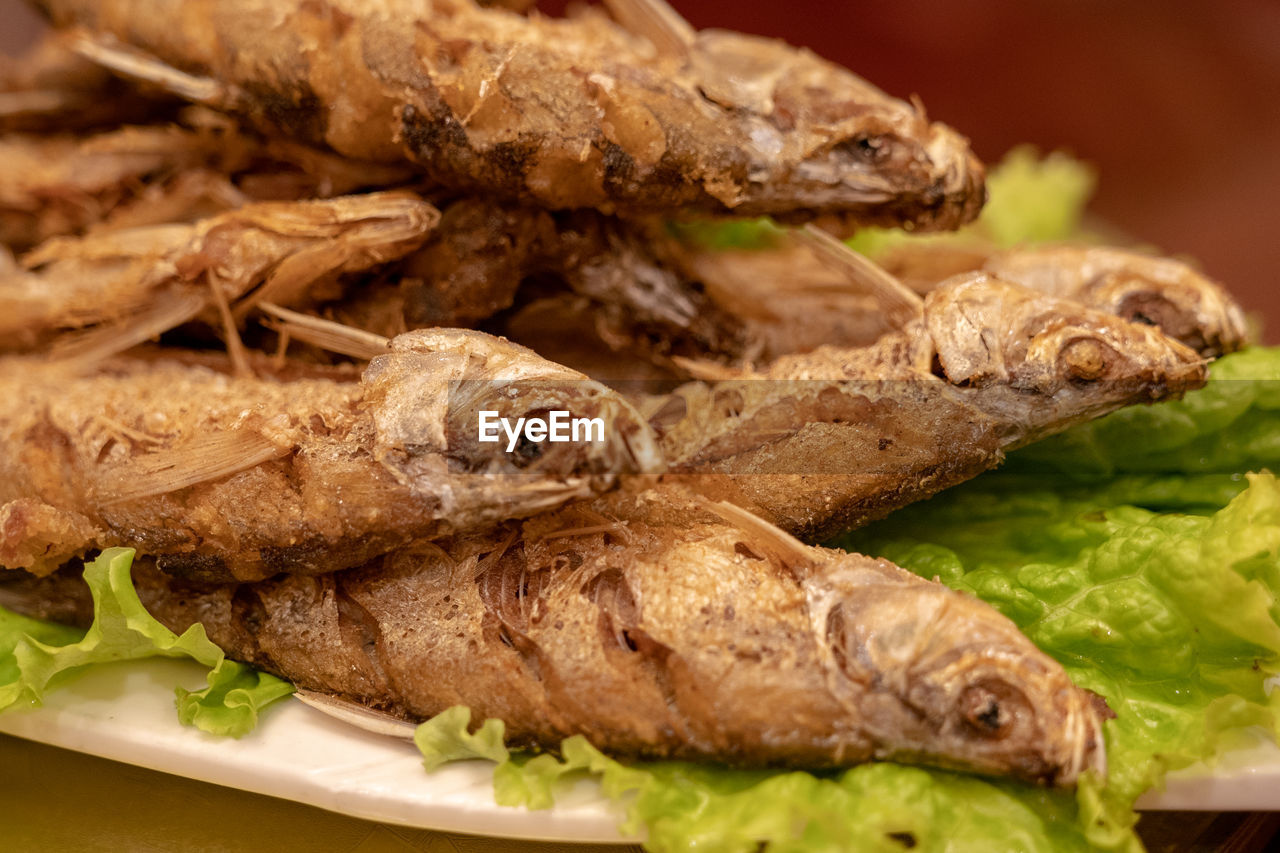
(58, 184)
(563, 113)
(1133, 284)
(821, 442)
(658, 630)
(136, 283)
(239, 478)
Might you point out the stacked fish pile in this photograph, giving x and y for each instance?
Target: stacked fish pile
(269, 259)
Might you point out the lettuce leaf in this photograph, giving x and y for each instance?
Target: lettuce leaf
(873, 807)
(35, 656)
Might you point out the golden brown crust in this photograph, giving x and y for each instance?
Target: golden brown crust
(559, 112)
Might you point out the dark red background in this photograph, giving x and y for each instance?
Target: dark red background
(1176, 102)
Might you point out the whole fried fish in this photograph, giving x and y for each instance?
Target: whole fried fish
(239, 478)
(562, 113)
(131, 285)
(824, 441)
(658, 629)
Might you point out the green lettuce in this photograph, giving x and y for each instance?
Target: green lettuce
(36, 656)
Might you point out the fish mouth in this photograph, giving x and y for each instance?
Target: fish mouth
(899, 173)
(1088, 744)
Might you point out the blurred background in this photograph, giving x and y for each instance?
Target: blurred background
(1176, 103)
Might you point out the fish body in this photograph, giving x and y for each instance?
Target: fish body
(658, 628)
(823, 441)
(224, 477)
(561, 113)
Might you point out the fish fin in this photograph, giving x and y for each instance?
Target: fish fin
(355, 714)
(655, 21)
(793, 553)
(293, 276)
(327, 334)
(900, 302)
(209, 457)
(230, 334)
(166, 311)
(708, 371)
(134, 64)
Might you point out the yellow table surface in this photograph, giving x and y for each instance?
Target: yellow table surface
(56, 799)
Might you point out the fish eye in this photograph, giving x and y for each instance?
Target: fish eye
(1086, 359)
(869, 148)
(991, 711)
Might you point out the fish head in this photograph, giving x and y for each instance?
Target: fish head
(1162, 292)
(942, 677)
(459, 403)
(824, 140)
(1039, 364)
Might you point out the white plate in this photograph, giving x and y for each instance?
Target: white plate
(125, 712)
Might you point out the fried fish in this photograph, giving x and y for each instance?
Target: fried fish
(658, 626)
(561, 113)
(223, 477)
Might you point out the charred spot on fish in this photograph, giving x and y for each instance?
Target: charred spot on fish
(513, 159)
(297, 113)
(906, 839)
(290, 558)
(247, 610)
(204, 568)
(884, 443)
(619, 166)
(1100, 706)
(430, 132)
